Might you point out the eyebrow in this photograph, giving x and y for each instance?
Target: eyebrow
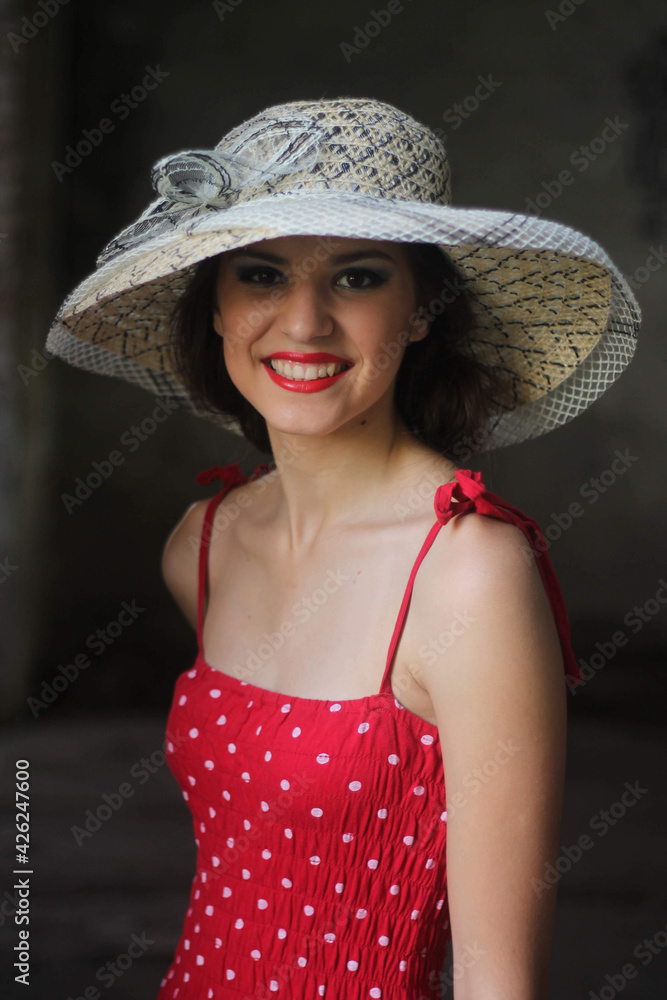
(341, 258)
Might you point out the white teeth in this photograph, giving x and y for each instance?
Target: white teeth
(306, 373)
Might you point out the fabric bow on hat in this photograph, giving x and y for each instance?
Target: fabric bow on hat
(196, 181)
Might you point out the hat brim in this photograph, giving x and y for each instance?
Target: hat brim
(550, 307)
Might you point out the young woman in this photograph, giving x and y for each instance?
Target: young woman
(372, 737)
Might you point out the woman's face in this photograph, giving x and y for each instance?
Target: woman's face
(349, 299)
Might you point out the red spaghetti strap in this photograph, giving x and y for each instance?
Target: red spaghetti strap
(230, 475)
(468, 493)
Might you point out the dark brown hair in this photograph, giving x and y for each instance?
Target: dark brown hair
(443, 394)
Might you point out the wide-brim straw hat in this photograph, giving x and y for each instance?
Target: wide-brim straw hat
(550, 308)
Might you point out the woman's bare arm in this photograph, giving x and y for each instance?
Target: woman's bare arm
(499, 698)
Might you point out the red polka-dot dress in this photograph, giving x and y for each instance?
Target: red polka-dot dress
(321, 826)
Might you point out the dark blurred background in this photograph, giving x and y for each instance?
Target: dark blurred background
(554, 76)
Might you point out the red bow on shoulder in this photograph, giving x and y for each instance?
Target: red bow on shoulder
(466, 490)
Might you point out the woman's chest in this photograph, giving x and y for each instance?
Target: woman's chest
(321, 629)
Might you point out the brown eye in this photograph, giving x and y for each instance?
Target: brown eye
(360, 275)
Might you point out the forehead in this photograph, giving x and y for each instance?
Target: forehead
(323, 248)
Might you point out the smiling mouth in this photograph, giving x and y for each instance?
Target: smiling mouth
(306, 373)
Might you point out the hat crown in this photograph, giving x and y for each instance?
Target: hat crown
(344, 144)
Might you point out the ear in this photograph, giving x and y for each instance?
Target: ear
(217, 323)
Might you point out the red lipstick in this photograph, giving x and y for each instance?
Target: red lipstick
(312, 358)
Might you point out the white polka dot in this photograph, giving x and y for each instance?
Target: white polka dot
(408, 841)
(322, 758)
(285, 708)
(273, 985)
(361, 913)
(264, 806)
(221, 721)
(383, 940)
(246, 824)
(354, 786)
(218, 942)
(231, 747)
(282, 933)
(191, 780)
(203, 876)
(211, 811)
(226, 796)
(226, 891)
(245, 873)
(245, 776)
(375, 992)
(330, 937)
(339, 887)
(284, 784)
(443, 815)
(403, 965)
(230, 841)
(439, 904)
(352, 965)
(170, 747)
(255, 954)
(288, 833)
(347, 837)
(193, 672)
(382, 813)
(414, 914)
(182, 700)
(215, 692)
(316, 811)
(193, 733)
(267, 755)
(308, 910)
(200, 959)
(202, 828)
(320, 990)
(208, 911)
(427, 739)
(363, 727)
(287, 882)
(296, 731)
(392, 758)
(186, 977)
(335, 707)
(430, 863)
(262, 904)
(230, 973)
(394, 890)
(418, 790)
(215, 861)
(373, 863)
(266, 854)
(315, 860)
(301, 961)
(186, 796)
(239, 923)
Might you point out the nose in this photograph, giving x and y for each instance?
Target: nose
(302, 311)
